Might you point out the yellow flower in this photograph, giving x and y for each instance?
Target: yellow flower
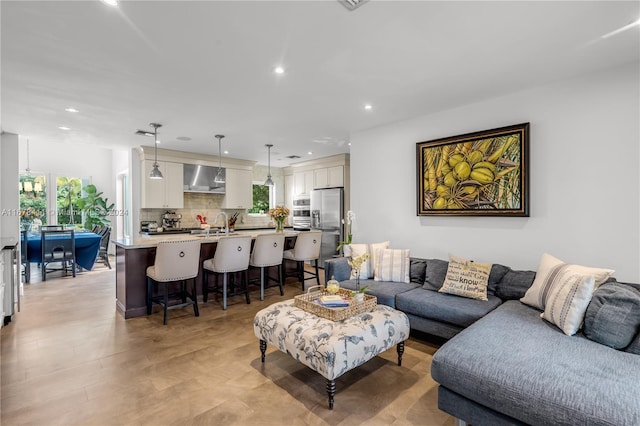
(279, 212)
(357, 262)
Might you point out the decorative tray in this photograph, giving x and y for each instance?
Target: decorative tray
(310, 303)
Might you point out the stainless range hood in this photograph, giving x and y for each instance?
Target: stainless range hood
(199, 178)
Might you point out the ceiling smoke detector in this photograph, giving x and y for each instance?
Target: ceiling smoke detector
(352, 4)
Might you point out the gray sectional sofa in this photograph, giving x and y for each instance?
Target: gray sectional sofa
(504, 365)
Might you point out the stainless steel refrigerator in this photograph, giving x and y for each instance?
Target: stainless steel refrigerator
(327, 207)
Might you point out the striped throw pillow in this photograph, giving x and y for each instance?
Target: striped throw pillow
(552, 269)
(368, 267)
(567, 299)
(393, 265)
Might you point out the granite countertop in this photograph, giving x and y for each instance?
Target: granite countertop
(145, 241)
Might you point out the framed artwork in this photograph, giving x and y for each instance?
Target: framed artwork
(477, 174)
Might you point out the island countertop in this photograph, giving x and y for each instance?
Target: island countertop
(134, 255)
(147, 241)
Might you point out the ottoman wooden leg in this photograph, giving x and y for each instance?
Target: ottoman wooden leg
(263, 349)
(331, 391)
(400, 349)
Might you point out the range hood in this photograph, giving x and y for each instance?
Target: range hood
(199, 178)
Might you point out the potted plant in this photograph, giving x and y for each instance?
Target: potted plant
(358, 295)
(95, 207)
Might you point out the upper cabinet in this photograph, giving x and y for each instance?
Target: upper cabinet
(239, 189)
(303, 182)
(328, 177)
(166, 192)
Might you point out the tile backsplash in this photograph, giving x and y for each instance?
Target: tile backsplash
(208, 205)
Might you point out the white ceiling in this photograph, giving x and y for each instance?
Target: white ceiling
(205, 67)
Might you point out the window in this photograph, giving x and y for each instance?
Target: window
(69, 191)
(263, 198)
(33, 200)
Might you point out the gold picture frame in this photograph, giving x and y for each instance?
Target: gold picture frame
(483, 173)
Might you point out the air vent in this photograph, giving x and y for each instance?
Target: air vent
(293, 157)
(352, 4)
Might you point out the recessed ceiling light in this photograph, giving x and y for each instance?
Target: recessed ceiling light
(71, 109)
(278, 70)
(310, 153)
(225, 152)
(368, 107)
(349, 144)
(158, 141)
(64, 128)
(113, 3)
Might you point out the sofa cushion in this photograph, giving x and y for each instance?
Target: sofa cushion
(513, 362)
(466, 278)
(385, 291)
(455, 310)
(613, 316)
(634, 347)
(549, 270)
(514, 284)
(497, 274)
(417, 270)
(435, 273)
(369, 266)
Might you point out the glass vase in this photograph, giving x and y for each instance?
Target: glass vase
(279, 225)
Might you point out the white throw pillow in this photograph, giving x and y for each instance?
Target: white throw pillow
(568, 299)
(549, 270)
(368, 267)
(393, 265)
(466, 278)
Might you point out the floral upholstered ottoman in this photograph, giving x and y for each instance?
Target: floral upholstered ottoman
(330, 348)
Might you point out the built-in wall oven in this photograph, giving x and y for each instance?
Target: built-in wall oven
(301, 213)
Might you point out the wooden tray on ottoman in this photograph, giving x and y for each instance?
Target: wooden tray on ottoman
(310, 303)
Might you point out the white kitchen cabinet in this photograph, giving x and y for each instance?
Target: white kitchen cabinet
(303, 182)
(239, 189)
(328, 177)
(167, 192)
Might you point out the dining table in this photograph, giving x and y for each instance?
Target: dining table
(87, 248)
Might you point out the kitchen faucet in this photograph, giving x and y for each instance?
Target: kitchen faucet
(226, 222)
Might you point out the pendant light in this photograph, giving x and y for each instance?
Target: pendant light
(28, 169)
(269, 181)
(155, 171)
(220, 175)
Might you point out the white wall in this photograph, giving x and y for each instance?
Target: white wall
(9, 196)
(584, 178)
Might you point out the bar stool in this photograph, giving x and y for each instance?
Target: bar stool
(232, 255)
(307, 247)
(176, 261)
(267, 251)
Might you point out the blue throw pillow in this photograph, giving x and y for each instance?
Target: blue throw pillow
(613, 316)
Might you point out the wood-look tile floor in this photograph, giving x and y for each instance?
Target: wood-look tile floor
(68, 358)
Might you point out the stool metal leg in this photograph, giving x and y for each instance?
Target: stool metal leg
(224, 291)
(205, 285)
(149, 294)
(194, 295)
(317, 274)
(280, 280)
(166, 302)
(262, 283)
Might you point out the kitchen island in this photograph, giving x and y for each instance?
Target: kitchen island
(134, 255)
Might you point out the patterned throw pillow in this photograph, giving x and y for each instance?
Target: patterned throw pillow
(567, 300)
(549, 270)
(466, 278)
(393, 265)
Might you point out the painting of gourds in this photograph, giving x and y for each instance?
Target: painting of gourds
(476, 174)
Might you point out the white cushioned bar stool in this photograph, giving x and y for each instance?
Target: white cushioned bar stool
(231, 255)
(306, 247)
(176, 261)
(268, 251)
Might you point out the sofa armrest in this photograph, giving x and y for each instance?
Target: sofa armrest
(338, 268)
